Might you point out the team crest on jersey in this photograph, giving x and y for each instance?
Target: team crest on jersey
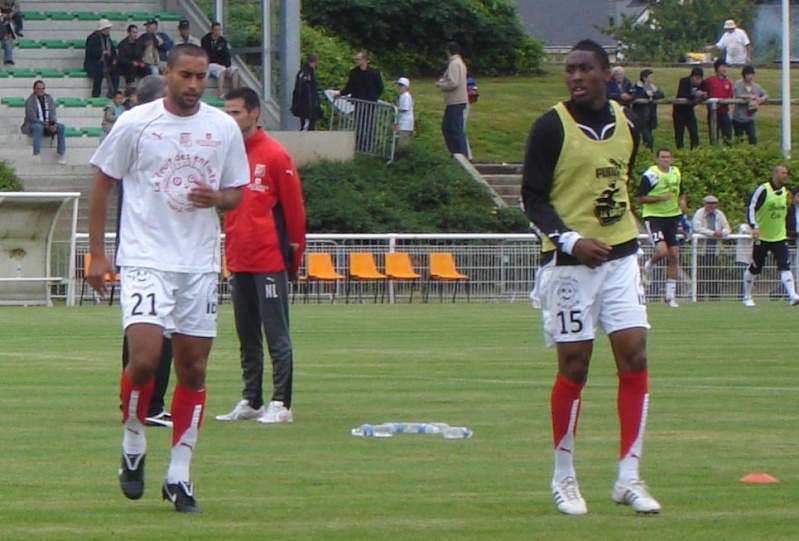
(566, 291)
(185, 139)
(260, 170)
(208, 141)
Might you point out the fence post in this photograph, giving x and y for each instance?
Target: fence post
(713, 121)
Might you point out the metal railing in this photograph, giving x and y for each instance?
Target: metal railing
(374, 124)
(501, 268)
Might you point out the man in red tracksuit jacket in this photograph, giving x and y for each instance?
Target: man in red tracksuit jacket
(264, 243)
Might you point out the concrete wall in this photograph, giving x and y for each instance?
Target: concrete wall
(312, 146)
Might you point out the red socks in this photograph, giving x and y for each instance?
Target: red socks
(633, 401)
(135, 398)
(188, 409)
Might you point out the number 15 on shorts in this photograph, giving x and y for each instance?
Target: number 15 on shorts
(570, 321)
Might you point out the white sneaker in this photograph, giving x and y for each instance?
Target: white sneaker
(646, 274)
(636, 495)
(242, 412)
(276, 412)
(749, 303)
(62, 160)
(567, 497)
(671, 302)
(794, 300)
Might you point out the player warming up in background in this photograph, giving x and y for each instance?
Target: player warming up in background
(180, 160)
(578, 161)
(766, 212)
(661, 194)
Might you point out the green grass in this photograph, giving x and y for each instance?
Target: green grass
(724, 401)
(500, 121)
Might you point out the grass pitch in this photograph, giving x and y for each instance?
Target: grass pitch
(723, 404)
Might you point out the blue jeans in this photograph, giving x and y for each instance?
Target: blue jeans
(452, 126)
(8, 50)
(37, 131)
(747, 128)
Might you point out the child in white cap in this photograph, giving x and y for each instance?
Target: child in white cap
(405, 107)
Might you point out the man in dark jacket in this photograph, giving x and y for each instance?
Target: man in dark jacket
(130, 62)
(220, 65)
(101, 59)
(366, 84)
(305, 99)
(693, 89)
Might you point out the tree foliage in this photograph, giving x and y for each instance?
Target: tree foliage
(8, 178)
(676, 27)
(409, 36)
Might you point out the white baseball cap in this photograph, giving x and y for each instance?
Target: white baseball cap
(729, 24)
(102, 24)
(403, 81)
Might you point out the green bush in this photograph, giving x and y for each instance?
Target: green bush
(419, 193)
(729, 173)
(8, 178)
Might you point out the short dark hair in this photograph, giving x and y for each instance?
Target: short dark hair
(453, 47)
(215, 24)
(132, 26)
(594, 47)
(251, 99)
(662, 149)
(719, 62)
(312, 57)
(747, 70)
(38, 82)
(645, 74)
(697, 71)
(184, 49)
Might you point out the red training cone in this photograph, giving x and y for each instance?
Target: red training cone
(759, 478)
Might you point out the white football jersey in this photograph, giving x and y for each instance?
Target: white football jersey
(160, 157)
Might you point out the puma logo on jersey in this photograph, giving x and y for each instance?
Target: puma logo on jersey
(156, 135)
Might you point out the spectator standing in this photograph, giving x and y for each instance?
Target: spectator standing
(620, 88)
(661, 195)
(719, 86)
(743, 116)
(100, 60)
(168, 254)
(221, 65)
(7, 38)
(766, 213)
(453, 85)
(154, 47)
(364, 83)
(578, 160)
(12, 8)
(184, 34)
(264, 243)
(131, 97)
(693, 89)
(735, 43)
(405, 118)
(305, 98)
(41, 119)
(113, 110)
(129, 61)
(645, 89)
(710, 223)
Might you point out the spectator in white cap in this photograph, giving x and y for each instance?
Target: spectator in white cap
(735, 42)
(100, 61)
(405, 109)
(709, 223)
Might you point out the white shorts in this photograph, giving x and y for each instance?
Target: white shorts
(183, 303)
(575, 299)
(216, 69)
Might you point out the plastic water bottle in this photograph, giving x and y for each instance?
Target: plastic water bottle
(385, 430)
(433, 428)
(365, 430)
(456, 433)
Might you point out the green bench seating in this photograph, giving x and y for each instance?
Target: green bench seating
(13, 102)
(28, 44)
(97, 102)
(114, 15)
(216, 102)
(50, 72)
(59, 15)
(35, 16)
(54, 44)
(75, 72)
(95, 16)
(22, 72)
(73, 132)
(93, 131)
(71, 102)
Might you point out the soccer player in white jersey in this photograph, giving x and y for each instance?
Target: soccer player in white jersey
(179, 160)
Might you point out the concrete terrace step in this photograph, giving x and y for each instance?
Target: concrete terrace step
(499, 168)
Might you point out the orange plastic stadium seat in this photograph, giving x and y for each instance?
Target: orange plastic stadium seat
(400, 267)
(363, 269)
(443, 269)
(321, 269)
